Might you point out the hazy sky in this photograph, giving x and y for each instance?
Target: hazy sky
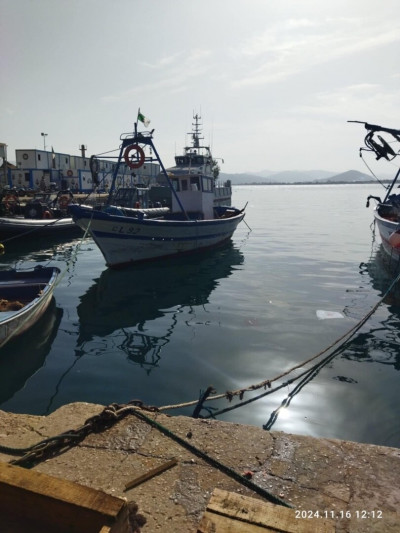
(274, 80)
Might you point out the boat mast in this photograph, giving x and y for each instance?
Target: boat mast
(195, 134)
(196, 131)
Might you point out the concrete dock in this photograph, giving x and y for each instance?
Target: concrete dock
(357, 486)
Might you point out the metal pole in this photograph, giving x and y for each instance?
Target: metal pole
(44, 135)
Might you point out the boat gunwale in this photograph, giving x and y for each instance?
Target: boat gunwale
(42, 296)
(88, 213)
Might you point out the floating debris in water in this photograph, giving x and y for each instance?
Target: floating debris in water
(345, 379)
(322, 315)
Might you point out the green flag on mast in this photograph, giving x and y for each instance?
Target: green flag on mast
(143, 119)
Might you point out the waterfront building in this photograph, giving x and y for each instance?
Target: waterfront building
(45, 170)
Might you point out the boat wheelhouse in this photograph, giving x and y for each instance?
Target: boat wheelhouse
(197, 170)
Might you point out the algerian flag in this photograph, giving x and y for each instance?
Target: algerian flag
(143, 119)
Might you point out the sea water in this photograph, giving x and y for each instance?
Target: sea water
(303, 270)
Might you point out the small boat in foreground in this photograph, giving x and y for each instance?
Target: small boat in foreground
(127, 233)
(387, 211)
(24, 297)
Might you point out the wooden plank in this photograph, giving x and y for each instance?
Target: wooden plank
(151, 473)
(59, 504)
(214, 523)
(264, 515)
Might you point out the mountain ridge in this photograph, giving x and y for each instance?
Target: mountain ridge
(267, 177)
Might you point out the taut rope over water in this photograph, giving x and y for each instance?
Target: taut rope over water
(229, 395)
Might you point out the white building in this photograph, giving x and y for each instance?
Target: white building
(36, 169)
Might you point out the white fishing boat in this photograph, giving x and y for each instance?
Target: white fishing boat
(24, 297)
(384, 142)
(130, 228)
(45, 214)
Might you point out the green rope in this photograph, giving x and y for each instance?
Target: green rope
(213, 462)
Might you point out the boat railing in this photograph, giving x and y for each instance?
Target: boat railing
(137, 136)
(223, 191)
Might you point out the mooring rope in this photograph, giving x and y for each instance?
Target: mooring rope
(229, 395)
(50, 223)
(27, 232)
(52, 446)
(210, 460)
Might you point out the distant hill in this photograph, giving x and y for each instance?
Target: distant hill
(243, 178)
(351, 176)
(295, 176)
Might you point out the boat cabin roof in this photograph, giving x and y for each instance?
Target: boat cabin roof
(192, 159)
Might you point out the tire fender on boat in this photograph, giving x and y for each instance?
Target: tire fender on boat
(64, 201)
(134, 163)
(10, 200)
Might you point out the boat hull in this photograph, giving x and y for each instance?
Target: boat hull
(35, 286)
(19, 226)
(388, 231)
(124, 240)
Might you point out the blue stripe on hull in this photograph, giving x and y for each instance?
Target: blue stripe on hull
(123, 236)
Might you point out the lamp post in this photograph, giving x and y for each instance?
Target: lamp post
(44, 135)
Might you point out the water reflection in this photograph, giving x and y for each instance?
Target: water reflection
(38, 249)
(381, 343)
(377, 341)
(137, 308)
(25, 355)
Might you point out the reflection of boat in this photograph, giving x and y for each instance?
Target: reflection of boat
(45, 214)
(20, 359)
(380, 344)
(24, 297)
(387, 211)
(127, 234)
(124, 301)
(381, 277)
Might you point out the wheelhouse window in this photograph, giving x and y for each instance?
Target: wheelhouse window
(194, 183)
(207, 184)
(198, 160)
